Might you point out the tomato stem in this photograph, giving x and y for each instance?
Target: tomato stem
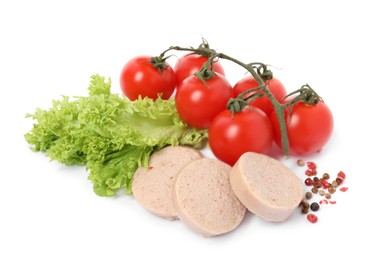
(305, 94)
(279, 108)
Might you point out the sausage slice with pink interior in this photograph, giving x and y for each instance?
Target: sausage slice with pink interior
(266, 187)
(204, 199)
(153, 187)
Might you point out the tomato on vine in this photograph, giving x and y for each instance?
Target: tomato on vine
(309, 125)
(191, 63)
(147, 76)
(198, 105)
(274, 85)
(199, 100)
(249, 130)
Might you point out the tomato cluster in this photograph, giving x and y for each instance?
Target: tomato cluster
(202, 95)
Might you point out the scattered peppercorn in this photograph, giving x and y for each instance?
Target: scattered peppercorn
(339, 180)
(322, 186)
(311, 165)
(310, 172)
(312, 218)
(301, 162)
(308, 195)
(317, 183)
(314, 206)
(341, 174)
(309, 182)
(325, 183)
(305, 205)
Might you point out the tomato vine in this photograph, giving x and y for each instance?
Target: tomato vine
(261, 74)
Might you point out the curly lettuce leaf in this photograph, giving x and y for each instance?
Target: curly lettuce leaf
(108, 133)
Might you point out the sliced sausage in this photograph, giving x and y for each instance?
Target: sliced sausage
(204, 199)
(153, 187)
(266, 187)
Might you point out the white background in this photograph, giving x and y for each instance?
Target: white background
(50, 48)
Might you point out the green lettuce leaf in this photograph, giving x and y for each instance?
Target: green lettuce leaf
(109, 134)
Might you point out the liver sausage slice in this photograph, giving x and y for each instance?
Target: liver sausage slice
(204, 198)
(266, 187)
(153, 187)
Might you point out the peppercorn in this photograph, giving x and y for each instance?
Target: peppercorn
(308, 182)
(335, 184)
(322, 192)
(332, 190)
(312, 218)
(341, 174)
(317, 184)
(305, 205)
(305, 210)
(311, 172)
(314, 206)
(314, 190)
(328, 196)
(326, 176)
(325, 183)
(301, 162)
(308, 195)
(339, 180)
(311, 165)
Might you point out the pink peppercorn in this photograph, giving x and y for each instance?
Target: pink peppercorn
(341, 174)
(308, 182)
(311, 165)
(312, 218)
(311, 172)
(325, 183)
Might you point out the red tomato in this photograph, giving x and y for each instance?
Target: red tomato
(197, 103)
(274, 85)
(247, 131)
(140, 78)
(188, 64)
(308, 128)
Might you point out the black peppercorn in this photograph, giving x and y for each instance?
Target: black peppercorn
(314, 206)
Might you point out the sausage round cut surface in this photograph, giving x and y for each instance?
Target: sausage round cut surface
(153, 187)
(204, 198)
(266, 187)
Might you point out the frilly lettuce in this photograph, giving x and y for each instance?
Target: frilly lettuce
(109, 134)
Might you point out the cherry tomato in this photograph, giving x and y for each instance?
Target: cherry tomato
(308, 128)
(139, 77)
(274, 85)
(247, 131)
(188, 64)
(197, 103)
